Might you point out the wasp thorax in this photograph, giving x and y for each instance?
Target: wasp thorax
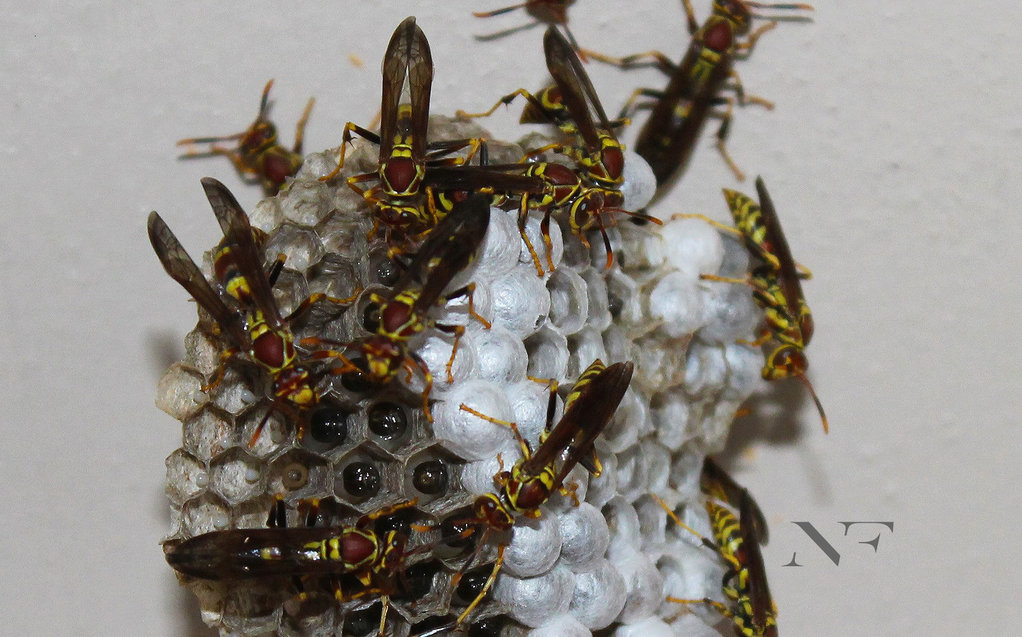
(277, 168)
(356, 546)
(490, 510)
(273, 350)
(719, 36)
(397, 318)
(612, 161)
(402, 175)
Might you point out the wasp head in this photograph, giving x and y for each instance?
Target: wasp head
(493, 512)
(785, 361)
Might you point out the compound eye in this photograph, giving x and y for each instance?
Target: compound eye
(486, 508)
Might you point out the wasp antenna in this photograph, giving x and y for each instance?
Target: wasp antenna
(209, 140)
(816, 399)
(783, 6)
(638, 215)
(264, 102)
(496, 12)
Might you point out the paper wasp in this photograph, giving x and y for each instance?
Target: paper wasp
(258, 154)
(532, 480)
(405, 156)
(737, 539)
(375, 560)
(243, 306)
(591, 190)
(447, 250)
(693, 93)
(777, 288)
(575, 108)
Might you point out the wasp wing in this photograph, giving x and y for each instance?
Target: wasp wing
(408, 55)
(252, 553)
(449, 248)
(395, 69)
(181, 268)
(463, 232)
(583, 421)
(759, 591)
(778, 246)
(577, 90)
(496, 178)
(420, 84)
(238, 233)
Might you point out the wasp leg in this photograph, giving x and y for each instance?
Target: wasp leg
(346, 138)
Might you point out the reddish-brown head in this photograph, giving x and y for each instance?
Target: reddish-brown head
(276, 167)
(393, 553)
(398, 216)
(785, 361)
(294, 385)
(489, 509)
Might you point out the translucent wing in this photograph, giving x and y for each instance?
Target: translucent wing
(182, 269)
(238, 233)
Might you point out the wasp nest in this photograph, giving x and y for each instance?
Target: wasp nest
(604, 566)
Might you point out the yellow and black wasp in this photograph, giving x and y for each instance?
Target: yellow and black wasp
(399, 195)
(258, 154)
(736, 541)
(242, 306)
(694, 91)
(447, 250)
(590, 190)
(374, 560)
(531, 481)
(777, 288)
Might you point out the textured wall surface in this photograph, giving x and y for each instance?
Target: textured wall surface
(892, 156)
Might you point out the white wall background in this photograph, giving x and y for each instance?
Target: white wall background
(893, 156)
